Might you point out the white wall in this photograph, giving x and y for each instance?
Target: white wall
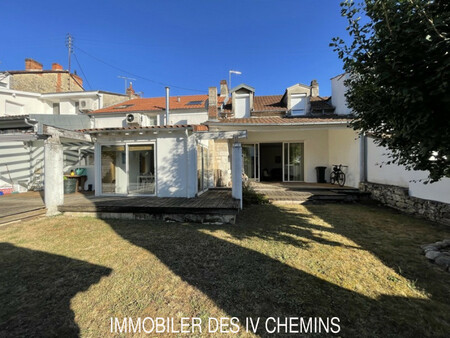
(24, 103)
(343, 148)
(380, 172)
(188, 118)
(338, 91)
(175, 161)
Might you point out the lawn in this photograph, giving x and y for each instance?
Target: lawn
(361, 263)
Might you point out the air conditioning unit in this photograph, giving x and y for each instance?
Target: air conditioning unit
(87, 105)
(134, 119)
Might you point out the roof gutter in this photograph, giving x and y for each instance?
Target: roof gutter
(275, 124)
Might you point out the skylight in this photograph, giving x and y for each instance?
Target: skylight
(194, 103)
(124, 106)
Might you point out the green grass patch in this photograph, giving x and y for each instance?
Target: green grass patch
(67, 276)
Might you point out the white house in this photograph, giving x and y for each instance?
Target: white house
(22, 156)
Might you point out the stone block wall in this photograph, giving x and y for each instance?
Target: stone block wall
(222, 163)
(398, 198)
(46, 82)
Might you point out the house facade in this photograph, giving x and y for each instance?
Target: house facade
(179, 146)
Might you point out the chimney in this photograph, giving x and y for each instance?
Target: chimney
(32, 65)
(212, 103)
(56, 66)
(223, 88)
(130, 91)
(314, 88)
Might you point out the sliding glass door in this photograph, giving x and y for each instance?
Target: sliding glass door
(141, 169)
(128, 169)
(113, 169)
(293, 162)
(250, 163)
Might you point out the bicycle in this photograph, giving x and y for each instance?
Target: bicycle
(337, 175)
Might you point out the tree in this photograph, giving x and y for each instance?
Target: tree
(399, 65)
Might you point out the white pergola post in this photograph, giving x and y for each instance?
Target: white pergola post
(53, 175)
(236, 171)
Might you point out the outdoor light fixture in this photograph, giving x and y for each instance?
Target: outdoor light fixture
(127, 134)
(232, 72)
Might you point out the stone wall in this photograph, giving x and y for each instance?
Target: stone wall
(46, 82)
(398, 198)
(222, 163)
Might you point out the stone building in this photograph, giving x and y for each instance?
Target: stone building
(35, 79)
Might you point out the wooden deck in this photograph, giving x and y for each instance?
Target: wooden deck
(213, 206)
(297, 192)
(18, 207)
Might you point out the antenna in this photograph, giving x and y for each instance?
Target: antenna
(69, 45)
(126, 81)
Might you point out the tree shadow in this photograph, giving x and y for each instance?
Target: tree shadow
(246, 283)
(36, 288)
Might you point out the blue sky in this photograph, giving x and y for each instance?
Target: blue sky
(189, 44)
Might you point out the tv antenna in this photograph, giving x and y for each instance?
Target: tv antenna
(126, 79)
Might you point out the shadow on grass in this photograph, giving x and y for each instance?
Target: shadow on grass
(246, 283)
(35, 291)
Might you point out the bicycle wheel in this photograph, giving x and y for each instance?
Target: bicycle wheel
(341, 179)
(333, 177)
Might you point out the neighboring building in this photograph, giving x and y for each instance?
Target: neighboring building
(22, 159)
(37, 80)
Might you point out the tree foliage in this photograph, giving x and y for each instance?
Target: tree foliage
(398, 60)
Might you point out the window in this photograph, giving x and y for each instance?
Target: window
(242, 106)
(55, 108)
(298, 104)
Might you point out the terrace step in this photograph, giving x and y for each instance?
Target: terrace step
(22, 216)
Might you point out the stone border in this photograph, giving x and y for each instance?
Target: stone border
(398, 198)
(433, 253)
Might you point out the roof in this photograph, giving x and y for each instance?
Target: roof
(321, 103)
(194, 127)
(159, 103)
(244, 86)
(276, 120)
(274, 103)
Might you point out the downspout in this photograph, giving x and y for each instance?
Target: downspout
(187, 152)
(363, 158)
(167, 105)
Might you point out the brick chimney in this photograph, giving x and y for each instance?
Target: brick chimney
(32, 65)
(130, 91)
(223, 88)
(314, 88)
(57, 66)
(212, 103)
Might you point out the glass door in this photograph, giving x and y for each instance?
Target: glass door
(250, 161)
(141, 169)
(113, 169)
(293, 162)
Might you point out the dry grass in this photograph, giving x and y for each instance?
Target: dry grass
(68, 276)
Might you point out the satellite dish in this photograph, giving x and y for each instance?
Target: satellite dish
(130, 118)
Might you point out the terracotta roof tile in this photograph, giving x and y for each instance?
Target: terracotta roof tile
(158, 104)
(273, 103)
(194, 127)
(274, 120)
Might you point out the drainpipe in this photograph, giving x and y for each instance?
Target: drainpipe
(363, 158)
(167, 105)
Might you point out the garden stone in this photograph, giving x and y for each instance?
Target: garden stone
(432, 254)
(443, 261)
